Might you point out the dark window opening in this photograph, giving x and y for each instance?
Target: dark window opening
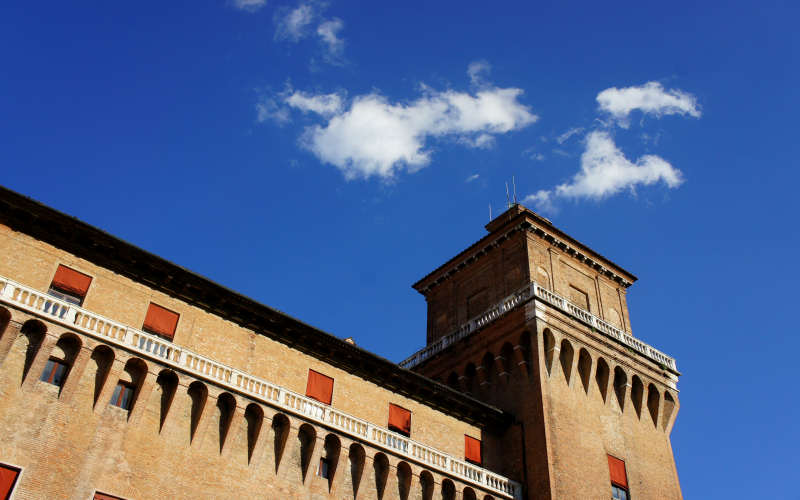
(324, 469)
(55, 372)
(123, 395)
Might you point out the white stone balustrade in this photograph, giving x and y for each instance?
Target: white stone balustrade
(534, 291)
(167, 353)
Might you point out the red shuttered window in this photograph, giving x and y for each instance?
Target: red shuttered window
(319, 387)
(70, 285)
(616, 469)
(399, 419)
(8, 477)
(472, 450)
(160, 321)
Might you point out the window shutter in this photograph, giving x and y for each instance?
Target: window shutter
(161, 321)
(70, 280)
(8, 476)
(616, 468)
(472, 449)
(399, 419)
(319, 387)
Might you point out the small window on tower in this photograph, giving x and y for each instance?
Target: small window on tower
(123, 395)
(619, 479)
(69, 285)
(399, 419)
(160, 321)
(319, 387)
(105, 496)
(55, 371)
(472, 450)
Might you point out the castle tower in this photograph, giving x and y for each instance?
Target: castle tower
(536, 323)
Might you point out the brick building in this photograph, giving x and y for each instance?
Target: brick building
(125, 376)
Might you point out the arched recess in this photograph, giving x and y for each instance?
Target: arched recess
(525, 351)
(307, 436)
(452, 381)
(620, 385)
(167, 385)
(653, 400)
(669, 408)
(131, 378)
(356, 458)
(62, 358)
(32, 332)
(5, 319)
(448, 490)
(469, 378)
(198, 393)
(507, 353)
(566, 356)
(380, 465)
(426, 485)
(585, 369)
(549, 346)
(637, 394)
(468, 494)
(404, 480)
(280, 433)
(254, 417)
(333, 447)
(488, 497)
(601, 378)
(226, 406)
(488, 368)
(103, 359)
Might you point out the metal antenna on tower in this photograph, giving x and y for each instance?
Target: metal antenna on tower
(490, 212)
(515, 189)
(508, 197)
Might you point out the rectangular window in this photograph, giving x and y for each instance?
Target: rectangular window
(55, 371)
(324, 469)
(123, 395)
(399, 419)
(619, 479)
(8, 478)
(472, 450)
(70, 285)
(160, 321)
(319, 387)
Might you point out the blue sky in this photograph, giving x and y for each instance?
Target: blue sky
(322, 156)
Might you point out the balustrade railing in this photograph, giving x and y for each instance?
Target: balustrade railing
(168, 353)
(534, 291)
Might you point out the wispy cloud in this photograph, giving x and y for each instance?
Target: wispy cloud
(606, 171)
(478, 72)
(471, 178)
(328, 32)
(650, 98)
(293, 24)
(321, 104)
(533, 154)
(377, 137)
(249, 5)
(561, 139)
(272, 109)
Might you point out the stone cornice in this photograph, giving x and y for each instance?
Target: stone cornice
(488, 243)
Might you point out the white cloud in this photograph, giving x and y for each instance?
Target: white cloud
(561, 139)
(293, 24)
(533, 154)
(269, 109)
(249, 5)
(471, 178)
(478, 71)
(376, 137)
(322, 104)
(605, 171)
(328, 32)
(650, 98)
